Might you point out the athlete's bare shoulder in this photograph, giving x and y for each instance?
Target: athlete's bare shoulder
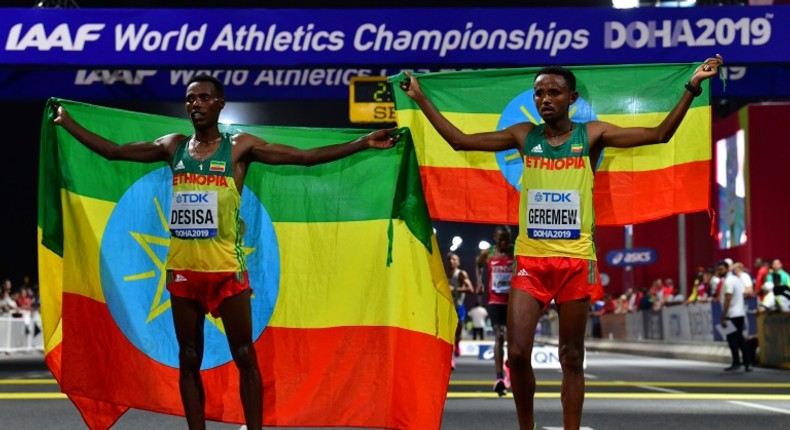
(595, 130)
(520, 131)
(170, 141)
(243, 138)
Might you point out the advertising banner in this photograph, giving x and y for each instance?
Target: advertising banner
(427, 36)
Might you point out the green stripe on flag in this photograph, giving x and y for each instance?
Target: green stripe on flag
(371, 184)
(609, 89)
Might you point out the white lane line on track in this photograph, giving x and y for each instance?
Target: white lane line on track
(758, 406)
(661, 389)
(560, 428)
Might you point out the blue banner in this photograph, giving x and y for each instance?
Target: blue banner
(254, 84)
(272, 38)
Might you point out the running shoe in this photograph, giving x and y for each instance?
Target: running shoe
(507, 374)
(452, 364)
(499, 387)
(457, 351)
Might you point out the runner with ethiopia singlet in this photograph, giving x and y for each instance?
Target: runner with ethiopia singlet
(206, 260)
(206, 266)
(555, 254)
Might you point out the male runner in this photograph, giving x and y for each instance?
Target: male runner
(206, 267)
(500, 271)
(548, 266)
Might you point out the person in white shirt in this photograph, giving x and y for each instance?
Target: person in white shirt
(748, 283)
(733, 310)
(479, 315)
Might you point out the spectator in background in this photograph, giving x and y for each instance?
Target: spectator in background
(701, 290)
(733, 314)
(657, 294)
(622, 304)
(715, 286)
(7, 304)
(24, 300)
(777, 285)
(748, 284)
(667, 291)
(674, 297)
(648, 297)
(634, 297)
(609, 304)
(760, 271)
(478, 314)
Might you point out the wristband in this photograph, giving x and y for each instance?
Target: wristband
(693, 90)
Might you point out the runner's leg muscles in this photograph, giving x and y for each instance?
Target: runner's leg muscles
(573, 322)
(188, 317)
(522, 319)
(237, 320)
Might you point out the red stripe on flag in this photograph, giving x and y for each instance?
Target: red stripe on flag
(483, 196)
(96, 414)
(469, 195)
(355, 377)
(362, 376)
(622, 197)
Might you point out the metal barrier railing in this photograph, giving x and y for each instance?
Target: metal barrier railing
(21, 332)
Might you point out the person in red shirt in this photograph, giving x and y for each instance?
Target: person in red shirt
(761, 269)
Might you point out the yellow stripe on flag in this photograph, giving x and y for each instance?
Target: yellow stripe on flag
(320, 252)
(441, 154)
(50, 272)
(690, 143)
(84, 221)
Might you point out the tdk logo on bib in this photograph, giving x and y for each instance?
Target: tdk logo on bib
(553, 197)
(192, 198)
(522, 109)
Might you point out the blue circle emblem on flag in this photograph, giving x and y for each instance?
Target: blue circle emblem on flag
(522, 109)
(132, 264)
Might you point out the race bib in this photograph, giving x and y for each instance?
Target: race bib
(193, 214)
(500, 282)
(553, 214)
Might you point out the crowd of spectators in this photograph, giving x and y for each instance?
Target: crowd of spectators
(17, 300)
(20, 302)
(768, 282)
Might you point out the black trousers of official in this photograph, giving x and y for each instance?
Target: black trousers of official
(737, 342)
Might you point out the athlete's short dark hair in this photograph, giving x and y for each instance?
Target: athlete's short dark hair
(218, 85)
(570, 78)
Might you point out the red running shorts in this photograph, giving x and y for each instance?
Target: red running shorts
(208, 288)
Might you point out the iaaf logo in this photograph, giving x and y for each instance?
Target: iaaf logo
(631, 257)
(61, 37)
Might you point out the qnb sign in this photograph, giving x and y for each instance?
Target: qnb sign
(670, 33)
(631, 257)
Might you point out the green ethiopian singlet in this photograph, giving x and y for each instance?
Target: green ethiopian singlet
(206, 229)
(556, 217)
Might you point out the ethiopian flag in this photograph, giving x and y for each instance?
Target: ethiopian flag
(631, 185)
(352, 316)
